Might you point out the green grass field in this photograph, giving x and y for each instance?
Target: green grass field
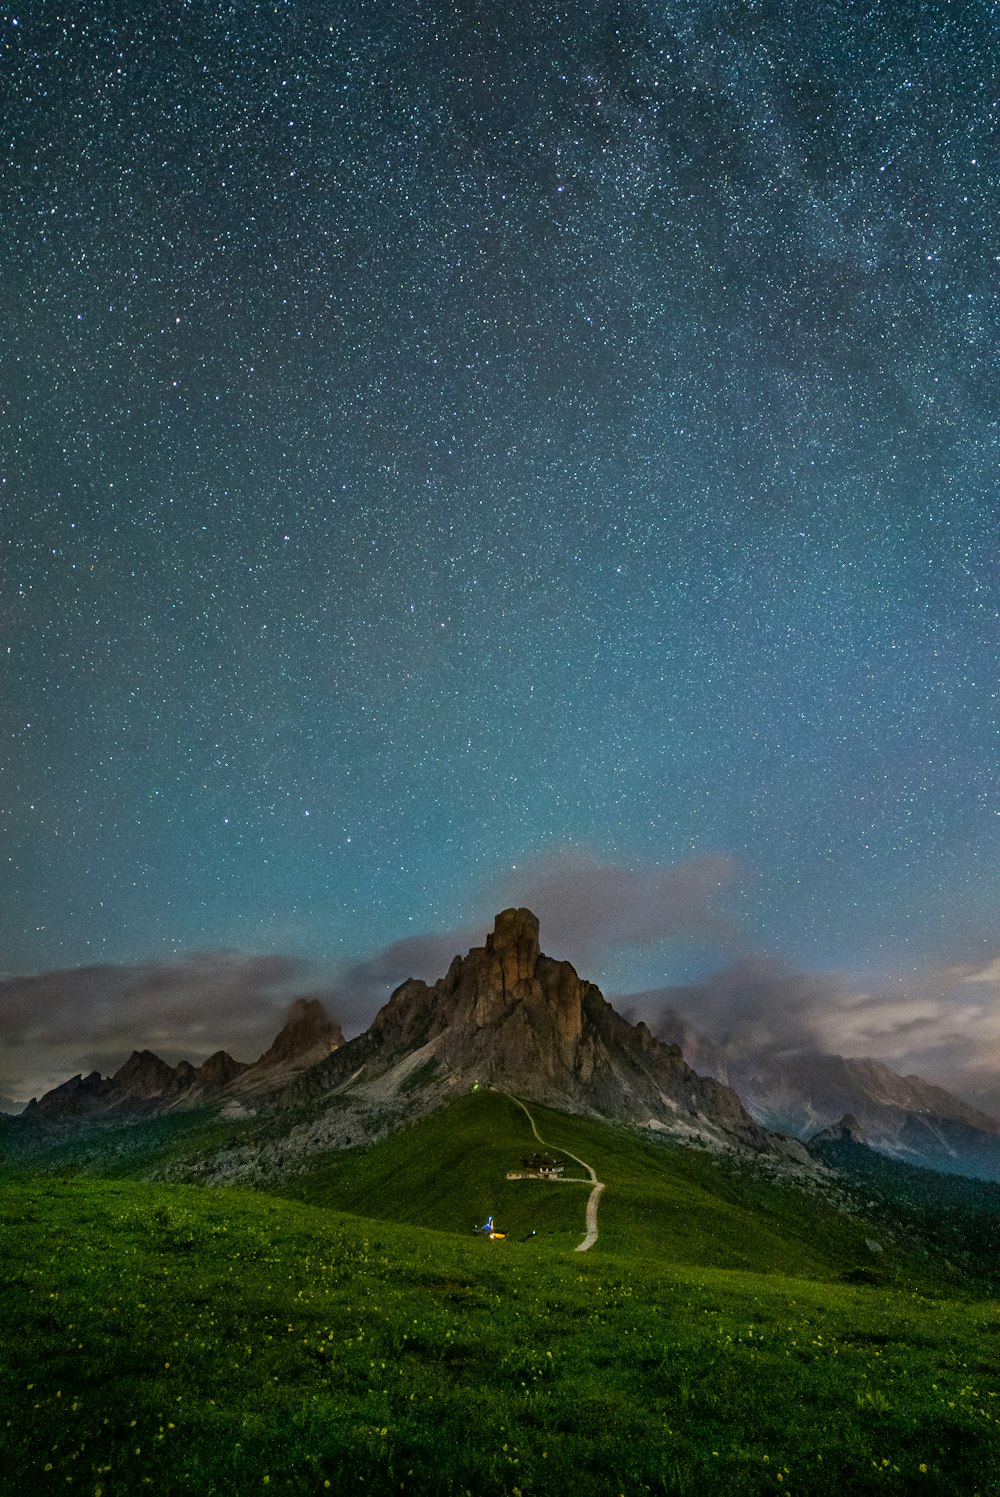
(182, 1340)
(663, 1203)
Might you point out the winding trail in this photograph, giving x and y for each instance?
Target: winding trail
(592, 1180)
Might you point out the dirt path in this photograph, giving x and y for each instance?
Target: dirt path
(598, 1185)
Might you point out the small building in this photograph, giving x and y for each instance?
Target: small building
(544, 1164)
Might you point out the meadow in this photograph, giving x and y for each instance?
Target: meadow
(723, 1336)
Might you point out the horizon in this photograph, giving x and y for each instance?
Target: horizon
(754, 1004)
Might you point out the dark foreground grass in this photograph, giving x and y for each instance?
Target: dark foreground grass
(176, 1340)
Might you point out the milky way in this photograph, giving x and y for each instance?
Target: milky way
(442, 437)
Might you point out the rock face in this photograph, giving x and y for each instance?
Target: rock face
(308, 1034)
(144, 1084)
(144, 1075)
(848, 1130)
(218, 1070)
(509, 1016)
(307, 1037)
(79, 1097)
(805, 1092)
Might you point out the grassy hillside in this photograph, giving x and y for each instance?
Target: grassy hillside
(663, 1203)
(181, 1340)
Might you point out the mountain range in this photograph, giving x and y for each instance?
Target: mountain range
(802, 1092)
(507, 1016)
(147, 1085)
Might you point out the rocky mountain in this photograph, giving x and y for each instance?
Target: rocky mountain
(145, 1077)
(848, 1130)
(307, 1035)
(807, 1090)
(79, 1097)
(147, 1085)
(506, 1015)
(804, 1093)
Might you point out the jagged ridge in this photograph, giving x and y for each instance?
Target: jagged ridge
(147, 1084)
(509, 1016)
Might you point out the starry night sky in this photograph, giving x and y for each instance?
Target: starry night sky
(441, 440)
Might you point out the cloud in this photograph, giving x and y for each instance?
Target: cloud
(589, 908)
(165, 1001)
(364, 985)
(753, 1004)
(930, 1025)
(53, 1024)
(989, 973)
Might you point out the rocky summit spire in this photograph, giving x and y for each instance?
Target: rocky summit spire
(513, 943)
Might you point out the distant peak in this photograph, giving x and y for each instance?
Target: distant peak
(144, 1075)
(308, 1028)
(219, 1069)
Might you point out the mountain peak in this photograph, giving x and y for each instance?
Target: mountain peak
(144, 1075)
(219, 1069)
(308, 1034)
(508, 1016)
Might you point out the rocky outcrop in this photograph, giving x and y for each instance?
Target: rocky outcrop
(848, 1130)
(79, 1097)
(218, 1070)
(307, 1035)
(144, 1076)
(144, 1085)
(507, 1015)
(196, 1085)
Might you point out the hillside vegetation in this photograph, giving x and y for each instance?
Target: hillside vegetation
(663, 1203)
(182, 1340)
